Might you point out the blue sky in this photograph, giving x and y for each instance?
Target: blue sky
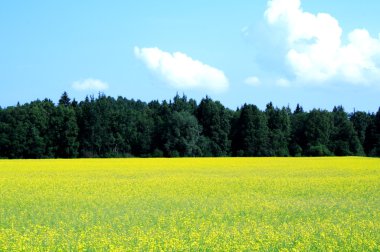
(316, 53)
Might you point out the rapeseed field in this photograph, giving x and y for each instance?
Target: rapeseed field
(201, 204)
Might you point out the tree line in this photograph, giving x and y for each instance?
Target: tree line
(109, 127)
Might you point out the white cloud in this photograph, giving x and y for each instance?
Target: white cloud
(315, 50)
(182, 72)
(252, 81)
(90, 84)
(282, 82)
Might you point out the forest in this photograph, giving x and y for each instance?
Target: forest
(107, 127)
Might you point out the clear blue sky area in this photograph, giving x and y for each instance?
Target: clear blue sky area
(316, 53)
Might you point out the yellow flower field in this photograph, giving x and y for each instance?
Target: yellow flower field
(223, 204)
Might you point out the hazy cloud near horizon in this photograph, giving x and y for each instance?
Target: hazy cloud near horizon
(90, 84)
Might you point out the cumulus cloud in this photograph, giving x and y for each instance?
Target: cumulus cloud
(315, 51)
(182, 72)
(90, 84)
(252, 81)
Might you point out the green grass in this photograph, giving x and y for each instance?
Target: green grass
(226, 204)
